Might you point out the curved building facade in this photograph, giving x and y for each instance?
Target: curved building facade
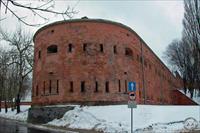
(91, 61)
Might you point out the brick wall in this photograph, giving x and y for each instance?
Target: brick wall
(181, 99)
(93, 62)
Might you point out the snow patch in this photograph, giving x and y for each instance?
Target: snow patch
(80, 119)
(22, 116)
(116, 118)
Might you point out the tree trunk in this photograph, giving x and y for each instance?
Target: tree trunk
(184, 86)
(12, 105)
(0, 105)
(18, 103)
(6, 107)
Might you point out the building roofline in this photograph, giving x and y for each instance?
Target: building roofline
(85, 19)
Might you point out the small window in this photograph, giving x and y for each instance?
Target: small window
(37, 90)
(96, 86)
(82, 86)
(57, 86)
(119, 83)
(71, 86)
(44, 87)
(49, 86)
(70, 48)
(128, 52)
(39, 54)
(140, 59)
(107, 86)
(84, 46)
(101, 47)
(52, 49)
(115, 49)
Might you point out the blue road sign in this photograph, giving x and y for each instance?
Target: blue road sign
(132, 86)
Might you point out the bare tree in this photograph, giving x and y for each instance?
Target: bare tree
(41, 11)
(4, 59)
(22, 56)
(191, 35)
(185, 53)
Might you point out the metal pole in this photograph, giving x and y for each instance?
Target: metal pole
(131, 120)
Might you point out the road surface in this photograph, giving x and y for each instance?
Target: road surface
(9, 126)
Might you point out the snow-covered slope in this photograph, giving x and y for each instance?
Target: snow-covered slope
(22, 116)
(116, 118)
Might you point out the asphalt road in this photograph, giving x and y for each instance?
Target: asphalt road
(9, 126)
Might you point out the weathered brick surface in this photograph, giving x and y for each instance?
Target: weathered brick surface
(93, 65)
(181, 99)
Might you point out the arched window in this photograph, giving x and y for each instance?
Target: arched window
(52, 49)
(128, 52)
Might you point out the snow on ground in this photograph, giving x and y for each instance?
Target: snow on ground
(22, 116)
(116, 118)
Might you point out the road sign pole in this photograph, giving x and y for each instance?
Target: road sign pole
(131, 120)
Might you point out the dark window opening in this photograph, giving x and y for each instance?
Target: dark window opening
(82, 86)
(119, 83)
(44, 87)
(101, 47)
(84, 46)
(96, 86)
(39, 54)
(70, 47)
(140, 59)
(125, 85)
(51, 73)
(50, 86)
(71, 86)
(52, 49)
(128, 52)
(115, 49)
(57, 86)
(107, 86)
(37, 90)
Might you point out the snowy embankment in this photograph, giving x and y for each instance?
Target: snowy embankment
(22, 116)
(116, 118)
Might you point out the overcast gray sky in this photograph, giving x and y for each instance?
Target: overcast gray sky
(157, 22)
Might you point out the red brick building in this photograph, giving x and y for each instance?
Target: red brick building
(91, 61)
